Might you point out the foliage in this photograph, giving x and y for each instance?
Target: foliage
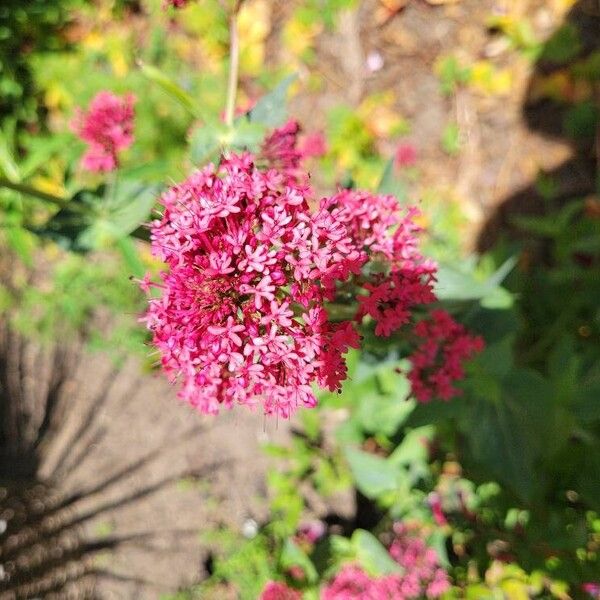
(504, 481)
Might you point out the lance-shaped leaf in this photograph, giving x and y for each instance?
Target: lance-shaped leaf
(271, 109)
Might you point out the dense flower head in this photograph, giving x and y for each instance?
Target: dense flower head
(241, 317)
(107, 127)
(421, 575)
(242, 311)
(276, 590)
(437, 363)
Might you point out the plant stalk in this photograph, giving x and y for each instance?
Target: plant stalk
(31, 191)
(234, 64)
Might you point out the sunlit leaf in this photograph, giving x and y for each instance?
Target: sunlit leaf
(271, 109)
(372, 555)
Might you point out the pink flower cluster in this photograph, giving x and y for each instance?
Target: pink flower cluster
(592, 588)
(422, 576)
(438, 360)
(242, 314)
(107, 127)
(241, 318)
(388, 237)
(276, 590)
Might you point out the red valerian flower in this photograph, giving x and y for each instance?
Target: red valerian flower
(437, 363)
(388, 237)
(422, 574)
(276, 590)
(240, 318)
(107, 127)
(242, 311)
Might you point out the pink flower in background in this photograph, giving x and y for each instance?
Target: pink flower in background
(276, 590)
(107, 127)
(351, 583)
(438, 360)
(592, 588)
(406, 156)
(311, 532)
(435, 503)
(313, 145)
(174, 3)
(280, 151)
(242, 248)
(422, 576)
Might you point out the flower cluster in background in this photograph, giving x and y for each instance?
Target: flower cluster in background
(438, 360)
(420, 575)
(107, 127)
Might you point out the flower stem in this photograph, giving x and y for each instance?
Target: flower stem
(31, 191)
(234, 64)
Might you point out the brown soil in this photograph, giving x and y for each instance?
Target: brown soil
(133, 477)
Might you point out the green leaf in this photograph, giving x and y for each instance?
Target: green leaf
(382, 401)
(373, 556)
(271, 109)
(132, 205)
(391, 184)
(205, 141)
(20, 240)
(413, 448)
(508, 436)
(131, 256)
(245, 135)
(89, 221)
(451, 139)
(374, 475)
(581, 120)
(434, 412)
(170, 87)
(8, 164)
(564, 45)
(452, 74)
(292, 556)
(456, 284)
(586, 403)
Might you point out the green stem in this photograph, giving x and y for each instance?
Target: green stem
(234, 65)
(31, 191)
